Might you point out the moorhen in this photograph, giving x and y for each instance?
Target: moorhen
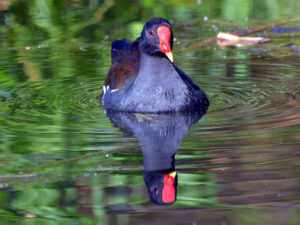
(144, 79)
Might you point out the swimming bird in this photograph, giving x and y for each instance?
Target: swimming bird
(144, 79)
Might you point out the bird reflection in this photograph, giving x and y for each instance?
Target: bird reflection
(159, 136)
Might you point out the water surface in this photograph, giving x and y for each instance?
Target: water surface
(64, 161)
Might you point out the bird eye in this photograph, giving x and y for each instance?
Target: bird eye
(155, 192)
(151, 33)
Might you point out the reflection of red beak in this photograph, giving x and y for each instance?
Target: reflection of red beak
(164, 35)
(168, 192)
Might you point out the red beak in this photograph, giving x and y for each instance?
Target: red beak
(164, 35)
(169, 192)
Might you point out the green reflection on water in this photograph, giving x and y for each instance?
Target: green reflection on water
(54, 136)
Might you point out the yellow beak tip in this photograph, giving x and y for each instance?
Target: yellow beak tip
(170, 56)
(173, 174)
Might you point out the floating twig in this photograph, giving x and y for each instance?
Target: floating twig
(226, 39)
(249, 31)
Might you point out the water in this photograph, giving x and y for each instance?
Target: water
(63, 160)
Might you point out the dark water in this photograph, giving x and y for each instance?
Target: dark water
(64, 161)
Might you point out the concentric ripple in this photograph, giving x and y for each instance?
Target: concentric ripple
(237, 154)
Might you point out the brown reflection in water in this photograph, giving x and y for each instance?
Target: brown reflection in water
(84, 198)
(259, 157)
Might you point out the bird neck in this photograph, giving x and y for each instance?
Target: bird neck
(159, 160)
(155, 67)
(154, 60)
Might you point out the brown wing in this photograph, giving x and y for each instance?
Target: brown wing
(125, 64)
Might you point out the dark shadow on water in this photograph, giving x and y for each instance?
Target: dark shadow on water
(159, 136)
